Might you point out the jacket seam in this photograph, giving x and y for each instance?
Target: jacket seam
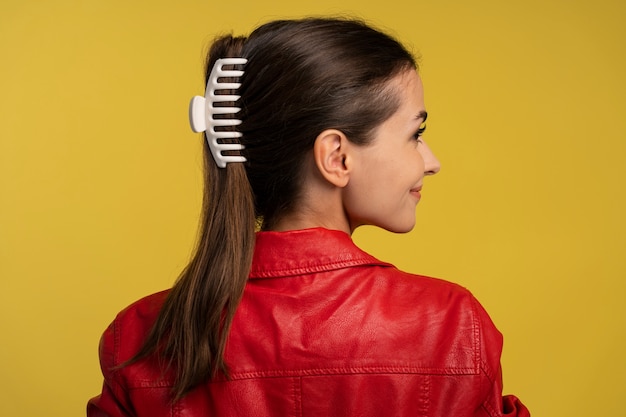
(311, 269)
(117, 342)
(478, 354)
(311, 372)
(353, 371)
(297, 396)
(425, 397)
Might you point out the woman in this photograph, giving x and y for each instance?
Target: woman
(318, 131)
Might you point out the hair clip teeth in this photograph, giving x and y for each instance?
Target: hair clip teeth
(224, 98)
(225, 110)
(225, 86)
(202, 111)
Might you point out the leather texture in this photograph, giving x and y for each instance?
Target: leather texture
(325, 329)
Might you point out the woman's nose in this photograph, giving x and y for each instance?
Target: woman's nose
(431, 163)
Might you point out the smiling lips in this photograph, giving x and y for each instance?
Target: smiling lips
(416, 191)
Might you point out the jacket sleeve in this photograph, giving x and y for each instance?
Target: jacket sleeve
(495, 405)
(113, 401)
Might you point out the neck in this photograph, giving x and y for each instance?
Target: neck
(301, 220)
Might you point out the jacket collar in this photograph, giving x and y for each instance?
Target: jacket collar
(297, 252)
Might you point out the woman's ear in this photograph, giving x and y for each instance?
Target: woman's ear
(332, 157)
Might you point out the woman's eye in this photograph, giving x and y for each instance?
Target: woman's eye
(419, 133)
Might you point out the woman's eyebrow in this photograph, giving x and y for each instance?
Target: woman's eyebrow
(422, 115)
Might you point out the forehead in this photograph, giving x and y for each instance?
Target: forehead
(410, 113)
(408, 88)
(411, 90)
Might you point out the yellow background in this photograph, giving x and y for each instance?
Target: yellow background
(100, 179)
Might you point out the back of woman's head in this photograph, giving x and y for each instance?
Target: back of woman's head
(302, 77)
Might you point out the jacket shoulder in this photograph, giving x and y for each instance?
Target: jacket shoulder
(125, 335)
(445, 314)
(428, 292)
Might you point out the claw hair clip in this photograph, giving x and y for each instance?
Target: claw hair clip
(202, 111)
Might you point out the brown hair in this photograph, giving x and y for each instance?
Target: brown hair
(302, 77)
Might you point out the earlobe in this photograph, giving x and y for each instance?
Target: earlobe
(332, 157)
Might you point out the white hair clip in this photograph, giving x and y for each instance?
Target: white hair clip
(202, 111)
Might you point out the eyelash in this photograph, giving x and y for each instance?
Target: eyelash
(419, 133)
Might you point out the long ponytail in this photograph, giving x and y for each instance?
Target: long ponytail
(191, 330)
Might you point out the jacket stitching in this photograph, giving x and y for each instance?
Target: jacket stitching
(147, 383)
(310, 269)
(477, 336)
(425, 397)
(354, 370)
(297, 397)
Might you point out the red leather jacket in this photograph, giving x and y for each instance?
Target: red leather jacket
(324, 329)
